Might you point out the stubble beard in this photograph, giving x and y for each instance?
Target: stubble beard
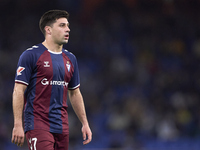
(62, 42)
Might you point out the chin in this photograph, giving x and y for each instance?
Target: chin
(64, 42)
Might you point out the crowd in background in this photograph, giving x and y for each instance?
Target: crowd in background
(139, 63)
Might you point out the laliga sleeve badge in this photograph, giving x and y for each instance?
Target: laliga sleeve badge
(19, 70)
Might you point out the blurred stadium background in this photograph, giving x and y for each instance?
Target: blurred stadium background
(139, 63)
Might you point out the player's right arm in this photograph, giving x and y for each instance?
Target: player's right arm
(18, 104)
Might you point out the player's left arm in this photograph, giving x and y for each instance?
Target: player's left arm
(77, 103)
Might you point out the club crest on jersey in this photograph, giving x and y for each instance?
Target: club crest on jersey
(46, 64)
(19, 70)
(68, 66)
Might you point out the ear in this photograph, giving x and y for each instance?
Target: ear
(48, 30)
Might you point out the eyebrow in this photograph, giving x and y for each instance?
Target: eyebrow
(62, 23)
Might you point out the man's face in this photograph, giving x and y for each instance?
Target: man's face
(60, 31)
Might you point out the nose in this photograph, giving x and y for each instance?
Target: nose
(67, 29)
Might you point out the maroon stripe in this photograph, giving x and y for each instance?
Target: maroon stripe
(42, 93)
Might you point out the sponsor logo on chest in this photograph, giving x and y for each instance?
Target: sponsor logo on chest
(53, 82)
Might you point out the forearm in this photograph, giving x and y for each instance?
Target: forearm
(77, 103)
(18, 103)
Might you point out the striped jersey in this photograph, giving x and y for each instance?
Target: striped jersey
(48, 76)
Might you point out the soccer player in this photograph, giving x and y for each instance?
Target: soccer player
(45, 74)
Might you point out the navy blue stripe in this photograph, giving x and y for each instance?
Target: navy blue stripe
(28, 113)
(56, 94)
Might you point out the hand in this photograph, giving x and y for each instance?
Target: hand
(18, 136)
(87, 134)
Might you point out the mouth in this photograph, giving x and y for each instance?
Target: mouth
(67, 36)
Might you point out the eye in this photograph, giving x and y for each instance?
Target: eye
(62, 25)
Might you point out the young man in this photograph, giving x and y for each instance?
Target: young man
(45, 74)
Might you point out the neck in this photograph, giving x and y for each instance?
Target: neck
(52, 46)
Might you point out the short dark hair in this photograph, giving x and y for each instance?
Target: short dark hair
(49, 17)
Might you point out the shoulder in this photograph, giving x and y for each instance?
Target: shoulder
(32, 53)
(71, 56)
(34, 50)
(34, 47)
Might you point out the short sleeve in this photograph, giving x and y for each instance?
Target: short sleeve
(24, 68)
(75, 80)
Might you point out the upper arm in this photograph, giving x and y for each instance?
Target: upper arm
(19, 88)
(24, 67)
(73, 92)
(75, 80)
